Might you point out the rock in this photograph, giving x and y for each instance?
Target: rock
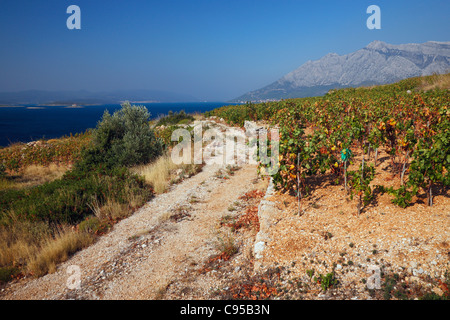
(312, 254)
(417, 272)
(251, 127)
(438, 291)
(258, 250)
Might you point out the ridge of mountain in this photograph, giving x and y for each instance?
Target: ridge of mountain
(377, 63)
(87, 97)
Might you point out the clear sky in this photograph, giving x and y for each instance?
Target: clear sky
(215, 50)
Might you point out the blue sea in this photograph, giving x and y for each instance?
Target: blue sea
(31, 122)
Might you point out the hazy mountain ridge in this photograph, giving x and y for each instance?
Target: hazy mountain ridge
(377, 63)
(87, 97)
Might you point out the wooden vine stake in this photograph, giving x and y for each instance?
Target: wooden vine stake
(404, 168)
(430, 194)
(361, 182)
(345, 175)
(345, 156)
(362, 170)
(299, 195)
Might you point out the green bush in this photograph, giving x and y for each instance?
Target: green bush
(327, 281)
(122, 139)
(2, 170)
(68, 199)
(175, 118)
(90, 225)
(7, 273)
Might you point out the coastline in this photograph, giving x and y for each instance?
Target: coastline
(26, 125)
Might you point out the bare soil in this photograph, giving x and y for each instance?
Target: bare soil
(196, 242)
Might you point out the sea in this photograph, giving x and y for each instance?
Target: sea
(33, 122)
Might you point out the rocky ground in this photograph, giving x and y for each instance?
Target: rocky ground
(226, 234)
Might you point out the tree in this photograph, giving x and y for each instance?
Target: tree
(123, 139)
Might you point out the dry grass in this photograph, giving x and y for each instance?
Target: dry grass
(163, 172)
(20, 239)
(226, 245)
(436, 81)
(159, 173)
(58, 249)
(34, 175)
(111, 210)
(37, 248)
(6, 184)
(198, 116)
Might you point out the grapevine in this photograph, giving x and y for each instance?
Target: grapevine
(318, 136)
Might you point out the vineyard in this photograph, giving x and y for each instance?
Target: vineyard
(324, 136)
(66, 150)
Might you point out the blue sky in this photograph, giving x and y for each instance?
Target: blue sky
(214, 50)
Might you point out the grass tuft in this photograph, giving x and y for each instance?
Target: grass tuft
(164, 172)
(58, 249)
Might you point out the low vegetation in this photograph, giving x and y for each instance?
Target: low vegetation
(323, 136)
(58, 196)
(122, 139)
(174, 118)
(163, 172)
(341, 139)
(64, 151)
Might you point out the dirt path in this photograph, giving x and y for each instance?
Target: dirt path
(171, 248)
(172, 235)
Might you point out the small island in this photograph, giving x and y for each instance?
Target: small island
(74, 106)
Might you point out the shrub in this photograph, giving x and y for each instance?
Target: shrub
(175, 118)
(68, 199)
(165, 135)
(2, 170)
(7, 273)
(90, 225)
(122, 139)
(326, 281)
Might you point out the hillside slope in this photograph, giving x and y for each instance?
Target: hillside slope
(377, 63)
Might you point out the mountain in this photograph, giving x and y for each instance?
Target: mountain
(378, 63)
(87, 97)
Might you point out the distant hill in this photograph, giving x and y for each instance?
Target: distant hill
(87, 97)
(378, 63)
